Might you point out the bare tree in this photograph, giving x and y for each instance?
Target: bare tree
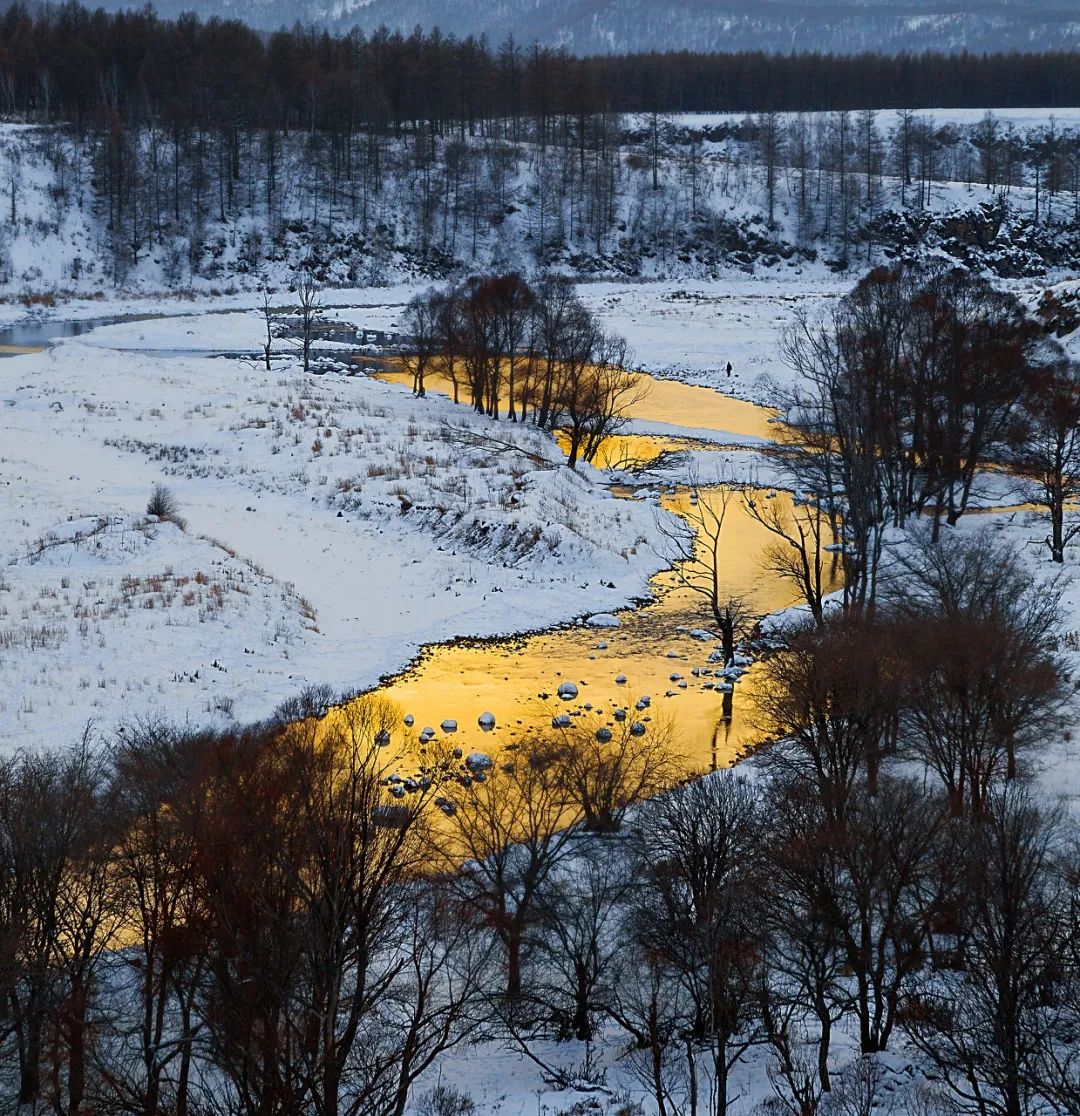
(830, 697)
(693, 920)
(985, 680)
(578, 941)
(609, 768)
(266, 308)
(148, 1059)
(886, 846)
(982, 1033)
(598, 395)
(308, 309)
(696, 544)
(805, 955)
(805, 553)
(512, 827)
(47, 815)
(422, 325)
(1050, 453)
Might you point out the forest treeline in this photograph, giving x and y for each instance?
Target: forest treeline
(93, 67)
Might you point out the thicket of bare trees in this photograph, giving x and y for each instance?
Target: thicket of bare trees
(534, 351)
(272, 920)
(908, 388)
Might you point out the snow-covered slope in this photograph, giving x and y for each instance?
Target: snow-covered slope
(334, 525)
(589, 26)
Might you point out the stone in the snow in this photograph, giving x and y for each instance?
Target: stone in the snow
(604, 620)
(725, 688)
(382, 738)
(637, 729)
(620, 679)
(410, 719)
(703, 635)
(602, 645)
(620, 714)
(568, 691)
(486, 721)
(561, 721)
(478, 761)
(603, 735)
(674, 677)
(449, 725)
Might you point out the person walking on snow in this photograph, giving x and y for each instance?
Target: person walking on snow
(729, 369)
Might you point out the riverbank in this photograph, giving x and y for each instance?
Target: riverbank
(351, 522)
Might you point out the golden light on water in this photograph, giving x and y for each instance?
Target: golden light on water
(462, 682)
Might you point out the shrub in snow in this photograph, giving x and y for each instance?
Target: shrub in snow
(163, 505)
(445, 1100)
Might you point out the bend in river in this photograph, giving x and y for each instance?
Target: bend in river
(661, 652)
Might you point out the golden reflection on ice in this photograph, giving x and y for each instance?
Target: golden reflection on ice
(667, 401)
(509, 678)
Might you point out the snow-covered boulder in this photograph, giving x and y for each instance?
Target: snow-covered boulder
(567, 691)
(604, 620)
(486, 721)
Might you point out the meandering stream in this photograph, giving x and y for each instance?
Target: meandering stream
(654, 661)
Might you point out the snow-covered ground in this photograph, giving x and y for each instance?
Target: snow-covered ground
(334, 525)
(1023, 119)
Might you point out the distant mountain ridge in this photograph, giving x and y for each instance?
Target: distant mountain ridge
(608, 26)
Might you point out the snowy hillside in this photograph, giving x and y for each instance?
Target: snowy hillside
(699, 202)
(635, 25)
